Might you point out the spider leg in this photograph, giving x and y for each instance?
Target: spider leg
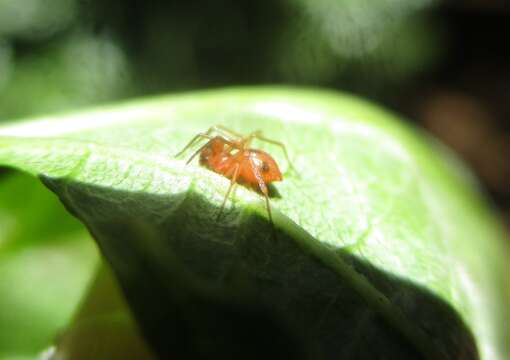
(226, 130)
(258, 135)
(221, 130)
(231, 144)
(262, 188)
(193, 141)
(199, 150)
(231, 187)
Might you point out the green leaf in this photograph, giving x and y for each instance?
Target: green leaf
(103, 326)
(46, 261)
(382, 246)
(46, 270)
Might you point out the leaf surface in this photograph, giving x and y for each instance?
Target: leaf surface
(381, 245)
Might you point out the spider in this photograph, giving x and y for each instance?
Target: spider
(228, 153)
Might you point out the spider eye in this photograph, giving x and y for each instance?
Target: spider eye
(265, 167)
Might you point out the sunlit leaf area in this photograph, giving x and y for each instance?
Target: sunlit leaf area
(386, 238)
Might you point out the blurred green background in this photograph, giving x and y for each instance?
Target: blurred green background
(444, 64)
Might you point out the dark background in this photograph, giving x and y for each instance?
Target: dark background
(444, 65)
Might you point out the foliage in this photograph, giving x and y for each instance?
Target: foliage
(381, 245)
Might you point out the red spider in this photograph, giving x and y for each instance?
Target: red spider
(229, 154)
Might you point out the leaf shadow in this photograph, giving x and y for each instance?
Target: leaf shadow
(204, 289)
